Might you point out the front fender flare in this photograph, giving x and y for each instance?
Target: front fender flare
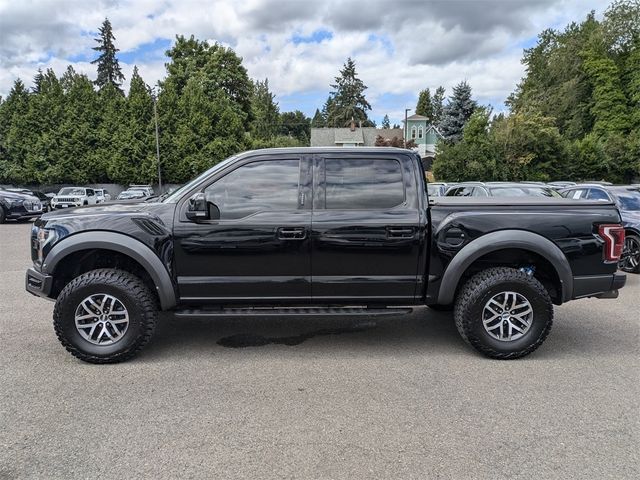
(501, 240)
(120, 243)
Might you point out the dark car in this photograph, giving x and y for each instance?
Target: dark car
(45, 199)
(321, 232)
(16, 205)
(501, 189)
(627, 198)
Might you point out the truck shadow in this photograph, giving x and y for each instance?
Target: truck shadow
(422, 329)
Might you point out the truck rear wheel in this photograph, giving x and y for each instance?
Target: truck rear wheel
(503, 313)
(105, 316)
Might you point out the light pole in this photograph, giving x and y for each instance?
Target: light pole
(406, 110)
(155, 116)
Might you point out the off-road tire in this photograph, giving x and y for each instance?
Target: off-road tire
(141, 304)
(3, 215)
(477, 291)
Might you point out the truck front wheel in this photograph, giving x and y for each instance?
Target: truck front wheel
(105, 316)
(503, 313)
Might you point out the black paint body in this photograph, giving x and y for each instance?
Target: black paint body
(311, 255)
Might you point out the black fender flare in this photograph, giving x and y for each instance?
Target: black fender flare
(501, 240)
(120, 243)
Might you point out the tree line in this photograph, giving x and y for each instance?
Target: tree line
(575, 115)
(71, 129)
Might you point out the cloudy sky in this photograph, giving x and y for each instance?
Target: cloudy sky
(399, 46)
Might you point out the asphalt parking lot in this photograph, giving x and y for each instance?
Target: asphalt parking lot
(341, 398)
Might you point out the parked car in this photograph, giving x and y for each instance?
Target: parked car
(627, 198)
(69, 197)
(132, 194)
(500, 189)
(102, 195)
(18, 206)
(561, 184)
(45, 199)
(238, 241)
(147, 189)
(437, 189)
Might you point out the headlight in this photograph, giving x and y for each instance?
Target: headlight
(44, 236)
(16, 203)
(76, 200)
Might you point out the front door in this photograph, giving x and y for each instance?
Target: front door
(258, 251)
(366, 229)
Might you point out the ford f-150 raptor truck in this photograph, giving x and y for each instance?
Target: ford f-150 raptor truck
(321, 231)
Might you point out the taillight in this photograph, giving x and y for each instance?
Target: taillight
(613, 236)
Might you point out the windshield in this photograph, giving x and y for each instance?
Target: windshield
(524, 192)
(175, 196)
(629, 200)
(71, 191)
(434, 190)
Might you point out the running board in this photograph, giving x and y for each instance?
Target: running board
(292, 312)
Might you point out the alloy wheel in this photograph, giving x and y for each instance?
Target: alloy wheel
(507, 316)
(102, 319)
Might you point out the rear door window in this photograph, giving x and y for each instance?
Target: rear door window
(356, 184)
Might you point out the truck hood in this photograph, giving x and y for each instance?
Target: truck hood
(109, 209)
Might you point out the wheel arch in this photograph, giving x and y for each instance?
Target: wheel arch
(122, 245)
(507, 240)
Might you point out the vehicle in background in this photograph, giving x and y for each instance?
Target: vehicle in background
(132, 194)
(18, 206)
(501, 189)
(147, 189)
(103, 195)
(627, 199)
(43, 197)
(561, 184)
(69, 197)
(437, 189)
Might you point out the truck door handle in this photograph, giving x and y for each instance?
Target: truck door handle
(292, 233)
(401, 232)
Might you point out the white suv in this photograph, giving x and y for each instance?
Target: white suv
(74, 197)
(102, 194)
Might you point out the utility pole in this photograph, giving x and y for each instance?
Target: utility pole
(406, 110)
(155, 116)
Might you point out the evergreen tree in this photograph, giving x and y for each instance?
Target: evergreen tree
(425, 105)
(77, 131)
(457, 112)
(438, 106)
(136, 160)
(319, 120)
(396, 126)
(218, 67)
(385, 122)
(347, 98)
(109, 72)
(474, 157)
(265, 112)
(42, 135)
(13, 148)
(297, 125)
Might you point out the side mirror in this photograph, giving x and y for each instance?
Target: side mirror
(197, 208)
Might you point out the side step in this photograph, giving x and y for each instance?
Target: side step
(292, 312)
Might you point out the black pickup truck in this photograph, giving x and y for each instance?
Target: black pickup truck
(321, 231)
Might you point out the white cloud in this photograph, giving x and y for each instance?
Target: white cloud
(399, 47)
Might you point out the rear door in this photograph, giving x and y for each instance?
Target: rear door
(365, 228)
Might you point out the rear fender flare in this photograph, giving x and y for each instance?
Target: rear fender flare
(505, 239)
